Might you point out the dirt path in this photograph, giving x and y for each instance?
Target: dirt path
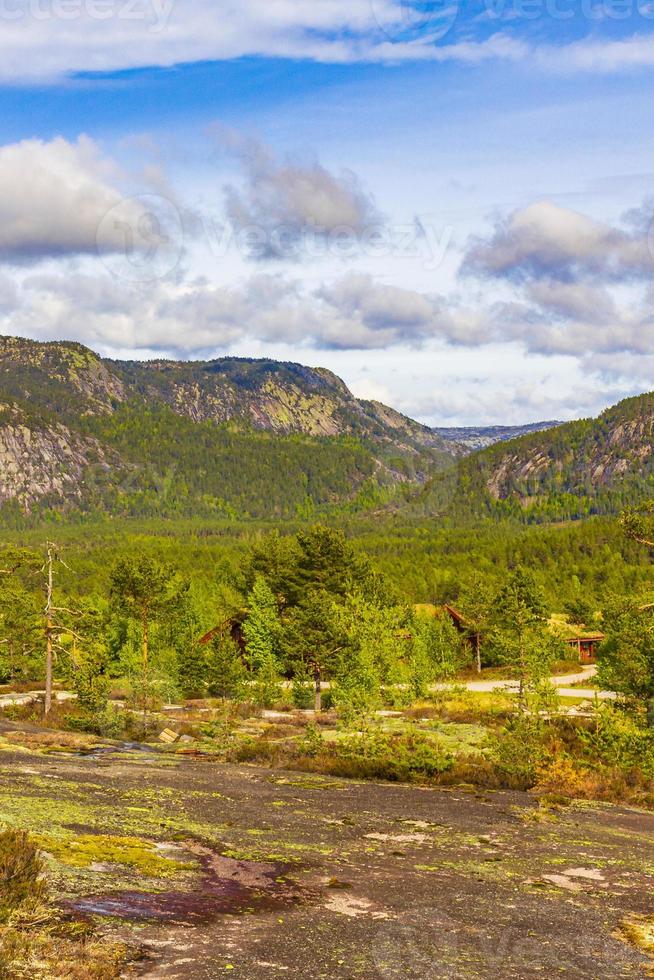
(561, 683)
(309, 877)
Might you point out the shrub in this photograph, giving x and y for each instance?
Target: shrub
(21, 872)
(303, 692)
(618, 740)
(312, 742)
(108, 722)
(327, 700)
(402, 758)
(518, 750)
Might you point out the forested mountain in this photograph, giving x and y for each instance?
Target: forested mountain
(233, 436)
(592, 466)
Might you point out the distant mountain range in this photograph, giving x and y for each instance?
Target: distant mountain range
(479, 437)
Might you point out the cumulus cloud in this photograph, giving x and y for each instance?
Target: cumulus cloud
(579, 286)
(283, 202)
(573, 300)
(545, 240)
(57, 198)
(352, 313)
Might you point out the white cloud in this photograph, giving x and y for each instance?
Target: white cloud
(49, 39)
(598, 56)
(284, 202)
(353, 313)
(55, 197)
(110, 35)
(548, 241)
(573, 300)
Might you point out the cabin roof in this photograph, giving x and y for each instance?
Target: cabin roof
(236, 619)
(457, 615)
(573, 632)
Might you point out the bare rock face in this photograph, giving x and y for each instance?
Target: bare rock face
(43, 463)
(24, 363)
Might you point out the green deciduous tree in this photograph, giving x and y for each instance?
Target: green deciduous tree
(437, 651)
(375, 654)
(476, 603)
(626, 657)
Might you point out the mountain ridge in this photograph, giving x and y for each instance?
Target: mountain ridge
(589, 466)
(72, 428)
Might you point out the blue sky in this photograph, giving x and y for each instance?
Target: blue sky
(449, 204)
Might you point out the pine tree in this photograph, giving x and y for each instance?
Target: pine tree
(144, 590)
(519, 631)
(262, 627)
(312, 641)
(226, 673)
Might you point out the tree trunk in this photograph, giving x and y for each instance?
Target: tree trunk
(478, 651)
(47, 707)
(145, 666)
(317, 676)
(48, 668)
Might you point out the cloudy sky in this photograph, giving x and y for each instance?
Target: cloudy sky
(450, 204)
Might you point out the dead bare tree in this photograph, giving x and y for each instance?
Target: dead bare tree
(53, 629)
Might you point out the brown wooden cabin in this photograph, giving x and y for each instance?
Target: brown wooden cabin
(586, 646)
(464, 627)
(233, 626)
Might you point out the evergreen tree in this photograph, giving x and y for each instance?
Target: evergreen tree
(226, 673)
(326, 562)
(262, 627)
(312, 641)
(192, 671)
(519, 630)
(267, 688)
(144, 590)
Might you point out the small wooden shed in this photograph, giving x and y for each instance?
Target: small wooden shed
(586, 645)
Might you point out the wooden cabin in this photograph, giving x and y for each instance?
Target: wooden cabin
(586, 646)
(232, 626)
(463, 626)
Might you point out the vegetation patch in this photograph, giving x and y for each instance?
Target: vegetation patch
(85, 850)
(639, 931)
